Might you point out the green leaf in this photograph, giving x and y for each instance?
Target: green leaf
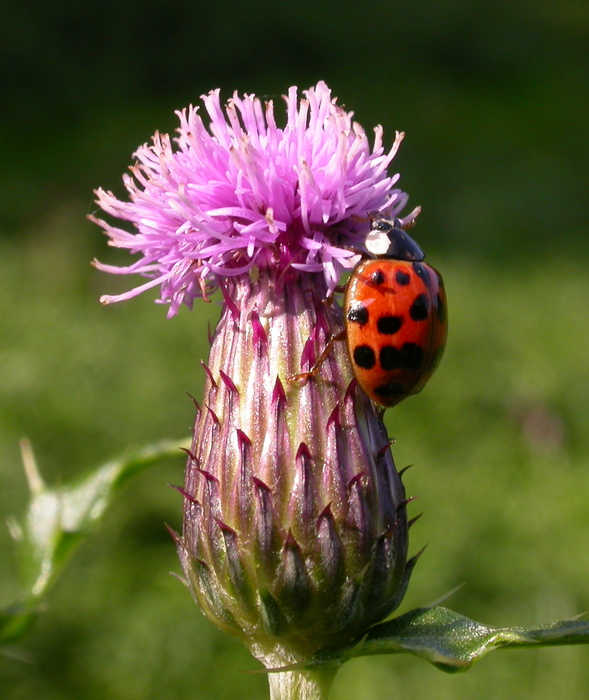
(15, 621)
(451, 641)
(58, 519)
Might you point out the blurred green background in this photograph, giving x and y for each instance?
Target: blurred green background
(494, 99)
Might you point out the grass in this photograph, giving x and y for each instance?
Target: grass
(498, 440)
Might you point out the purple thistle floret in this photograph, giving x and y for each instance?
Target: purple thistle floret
(245, 192)
(295, 526)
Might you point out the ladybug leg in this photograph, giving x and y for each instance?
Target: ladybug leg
(340, 289)
(320, 360)
(379, 410)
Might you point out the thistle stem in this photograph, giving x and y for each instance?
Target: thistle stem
(312, 684)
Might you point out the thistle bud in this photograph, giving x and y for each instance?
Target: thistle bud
(295, 531)
(295, 534)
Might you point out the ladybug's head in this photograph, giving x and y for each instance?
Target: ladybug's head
(387, 239)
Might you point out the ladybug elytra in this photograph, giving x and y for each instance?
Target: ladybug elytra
(395, 315)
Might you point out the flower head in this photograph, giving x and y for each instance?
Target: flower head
(246, 193)
(295, 526)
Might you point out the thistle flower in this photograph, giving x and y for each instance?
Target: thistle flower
(295, 531)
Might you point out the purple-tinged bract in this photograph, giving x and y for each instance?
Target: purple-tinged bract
(295, 525)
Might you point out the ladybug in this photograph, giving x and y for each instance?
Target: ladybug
(395, 315)
(395, 320)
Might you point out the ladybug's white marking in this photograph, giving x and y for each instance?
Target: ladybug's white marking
(377, 242)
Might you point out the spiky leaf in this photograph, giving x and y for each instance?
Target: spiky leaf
(58, 519)
(451, 641)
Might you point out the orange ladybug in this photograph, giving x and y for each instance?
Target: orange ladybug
(395, 315)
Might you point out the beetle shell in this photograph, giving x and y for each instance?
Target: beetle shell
(396, 326)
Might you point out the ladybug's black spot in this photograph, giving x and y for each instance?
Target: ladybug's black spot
(389, 325)
(402, 278)
(419, 310)
(421, 271)
(441, 307)
(408, 357)
(389, 357)
(412, 356)
(390, 390)
(436, 358)
(364, 356)
(378, 277)
(358, 314)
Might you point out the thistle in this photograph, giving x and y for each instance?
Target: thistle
(295, 527)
